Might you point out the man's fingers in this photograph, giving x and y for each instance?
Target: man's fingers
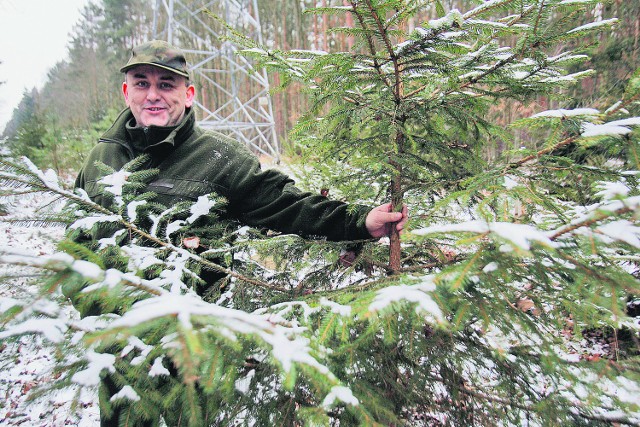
(387, 217)
(381, 218)
(402, 218)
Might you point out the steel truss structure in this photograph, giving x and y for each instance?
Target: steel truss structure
(233, 95)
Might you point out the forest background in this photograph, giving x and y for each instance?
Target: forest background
(55, 126)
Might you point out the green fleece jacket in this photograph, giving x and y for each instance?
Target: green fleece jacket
(194, 162)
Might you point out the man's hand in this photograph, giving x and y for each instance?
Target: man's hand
(380, 220)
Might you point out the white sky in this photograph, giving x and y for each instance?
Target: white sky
(34, 35)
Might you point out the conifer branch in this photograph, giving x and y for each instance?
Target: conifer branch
(40, 186)
(384, 35)
(599, 216)
(382, 31)
(484, 8)
(132, 228)
(571, 139)
(363, 287)
(485, 73)
(540, 9)
(370, 42)
(59, 266)
(591, 272)
(498, 65)
(623, 104)
(611, 419)
(542, 152)
(531, 408)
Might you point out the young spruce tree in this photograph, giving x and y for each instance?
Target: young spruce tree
(477, 316)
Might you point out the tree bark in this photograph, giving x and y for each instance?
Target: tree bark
(325, 28)
(397, 195)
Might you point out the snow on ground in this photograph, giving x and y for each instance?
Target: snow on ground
(28, 363)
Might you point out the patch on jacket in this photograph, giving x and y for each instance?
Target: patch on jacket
(163, 183)
(180, 188)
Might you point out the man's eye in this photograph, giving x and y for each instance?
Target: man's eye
(166, 86)
(142, 84)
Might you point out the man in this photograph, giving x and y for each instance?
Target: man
(192, 162)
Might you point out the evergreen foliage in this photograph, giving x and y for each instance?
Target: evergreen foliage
(480, 317)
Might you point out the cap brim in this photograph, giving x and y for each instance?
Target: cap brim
(153, 64)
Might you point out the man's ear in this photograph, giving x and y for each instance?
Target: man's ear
(125, 92)
(191, 94)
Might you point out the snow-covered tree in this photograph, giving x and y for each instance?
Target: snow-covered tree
(479, 315)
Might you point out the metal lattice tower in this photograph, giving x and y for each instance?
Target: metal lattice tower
(232, 95)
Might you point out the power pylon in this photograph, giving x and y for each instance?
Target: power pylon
(233, 95)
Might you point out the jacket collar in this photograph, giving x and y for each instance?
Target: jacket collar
(150, 138)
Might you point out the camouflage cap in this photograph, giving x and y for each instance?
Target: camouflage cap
(158, 53)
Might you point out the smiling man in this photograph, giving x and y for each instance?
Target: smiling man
(192, 161)
(156, 87)
(157, 97)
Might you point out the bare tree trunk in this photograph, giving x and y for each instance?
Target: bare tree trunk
(285, 31)
(325, 28)
(315, 32)
(636, 36)
(278, 102)
(350, 39)
(299, 42)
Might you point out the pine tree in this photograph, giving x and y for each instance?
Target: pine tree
(477, 316)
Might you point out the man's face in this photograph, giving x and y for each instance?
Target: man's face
(156, 96)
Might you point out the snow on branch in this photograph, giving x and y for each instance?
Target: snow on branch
(453, 17)
(612, 190)
(286, 346)
(52, 329)
(519, 235)
(623, 231)
(128, 393)
(114, 183)
(593, 26)
(418, 294)
(92, 272)
(567, 2)
(560, 113)
(88, 222)
(598, 213)
(90, 376)
(13, 175)
(342, 394)
(201, 208)
(484, 7)
(48, 178)
(614, 128)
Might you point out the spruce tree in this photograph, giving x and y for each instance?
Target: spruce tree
(479, 315)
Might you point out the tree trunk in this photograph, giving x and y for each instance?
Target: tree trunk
(636, 37)
(325, 27)
(278, 97)
(397, 194)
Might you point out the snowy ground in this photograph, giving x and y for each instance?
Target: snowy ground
(27, 364)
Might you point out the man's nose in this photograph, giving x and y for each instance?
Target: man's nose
(153, 94)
